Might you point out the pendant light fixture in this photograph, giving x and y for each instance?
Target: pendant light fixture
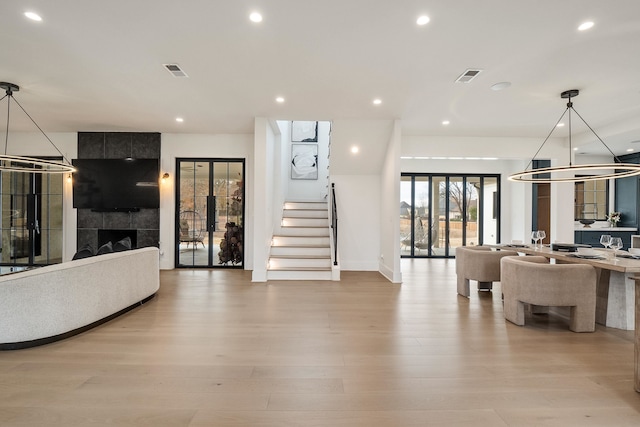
(22, 163)
(568, 173)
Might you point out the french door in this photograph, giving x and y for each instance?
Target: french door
(31, 222)
(439, 213)
(209, 213)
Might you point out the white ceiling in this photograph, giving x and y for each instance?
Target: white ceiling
(97, 65)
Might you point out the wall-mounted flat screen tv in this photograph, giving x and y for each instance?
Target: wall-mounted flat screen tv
(116, 184)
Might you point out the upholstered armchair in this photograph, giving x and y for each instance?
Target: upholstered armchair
(478, 263)
(531, 280)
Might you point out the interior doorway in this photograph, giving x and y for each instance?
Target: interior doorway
(542, 214)
(541, 203)
(210, 213)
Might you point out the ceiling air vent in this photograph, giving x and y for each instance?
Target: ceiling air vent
(468, 75)
(175, 70)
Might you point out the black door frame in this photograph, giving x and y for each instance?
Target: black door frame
(211, 220)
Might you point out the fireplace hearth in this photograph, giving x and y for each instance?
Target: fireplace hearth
(105, 236)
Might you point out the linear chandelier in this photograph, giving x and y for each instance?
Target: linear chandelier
(11, 163)
(568, 173)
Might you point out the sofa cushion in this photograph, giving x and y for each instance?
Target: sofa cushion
(85, 252)
(122, 245)
(107, 248)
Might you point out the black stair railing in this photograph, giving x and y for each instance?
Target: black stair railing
(334, 223)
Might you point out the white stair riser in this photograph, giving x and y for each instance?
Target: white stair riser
(306, 205)
(299, 241)
(300, 248)
(305, 222)
(302, 231)
(293, 213)
(298, 275)
(293, 251)
(284, 263)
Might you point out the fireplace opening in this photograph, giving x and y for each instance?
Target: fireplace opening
(105, 236)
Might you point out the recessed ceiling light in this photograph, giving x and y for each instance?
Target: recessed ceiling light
(560, 125)
(445, 122)
(280, 99)
(585, 26)
(629, 150)
(179, 119)
(355, 149)
(575, 148)
(255, 17)
(377, 101)
(423, 20)
(501, 86)
(33, 16)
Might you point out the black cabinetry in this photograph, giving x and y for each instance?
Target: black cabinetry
(593, 237)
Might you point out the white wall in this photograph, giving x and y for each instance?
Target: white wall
(199, 146)
(358, 199)
(263, 212)
(282, 173)
(390, 220)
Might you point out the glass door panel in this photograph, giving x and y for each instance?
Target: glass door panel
(422, 225)
(193, 242)
(228, 219)
(406, 217)
(439, 212)
(472, 201)
(456, 212)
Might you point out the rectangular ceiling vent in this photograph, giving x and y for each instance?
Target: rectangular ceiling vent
(175, 70)
(468, 75)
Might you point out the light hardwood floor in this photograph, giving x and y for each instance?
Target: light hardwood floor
(214, 349)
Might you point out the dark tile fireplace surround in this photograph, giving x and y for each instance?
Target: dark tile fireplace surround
(97, 228)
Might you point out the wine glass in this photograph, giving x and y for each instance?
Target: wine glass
(541, 236)
(534, 237)
(605, 240)
(616, 243)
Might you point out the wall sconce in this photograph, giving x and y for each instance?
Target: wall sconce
(165, 177)
(69, 179)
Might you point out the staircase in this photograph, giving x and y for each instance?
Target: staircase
(300, 250)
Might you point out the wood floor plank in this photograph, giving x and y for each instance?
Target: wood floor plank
(213, 348)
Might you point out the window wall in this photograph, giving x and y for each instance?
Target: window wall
(441, 212)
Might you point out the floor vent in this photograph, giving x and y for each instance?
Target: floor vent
(175, 70)
(468, 75)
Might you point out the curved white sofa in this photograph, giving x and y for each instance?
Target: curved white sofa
(50, 303)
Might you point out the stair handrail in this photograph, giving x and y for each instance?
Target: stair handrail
(334, 223)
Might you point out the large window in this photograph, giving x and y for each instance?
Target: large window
(30, 218)
(440, 212)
